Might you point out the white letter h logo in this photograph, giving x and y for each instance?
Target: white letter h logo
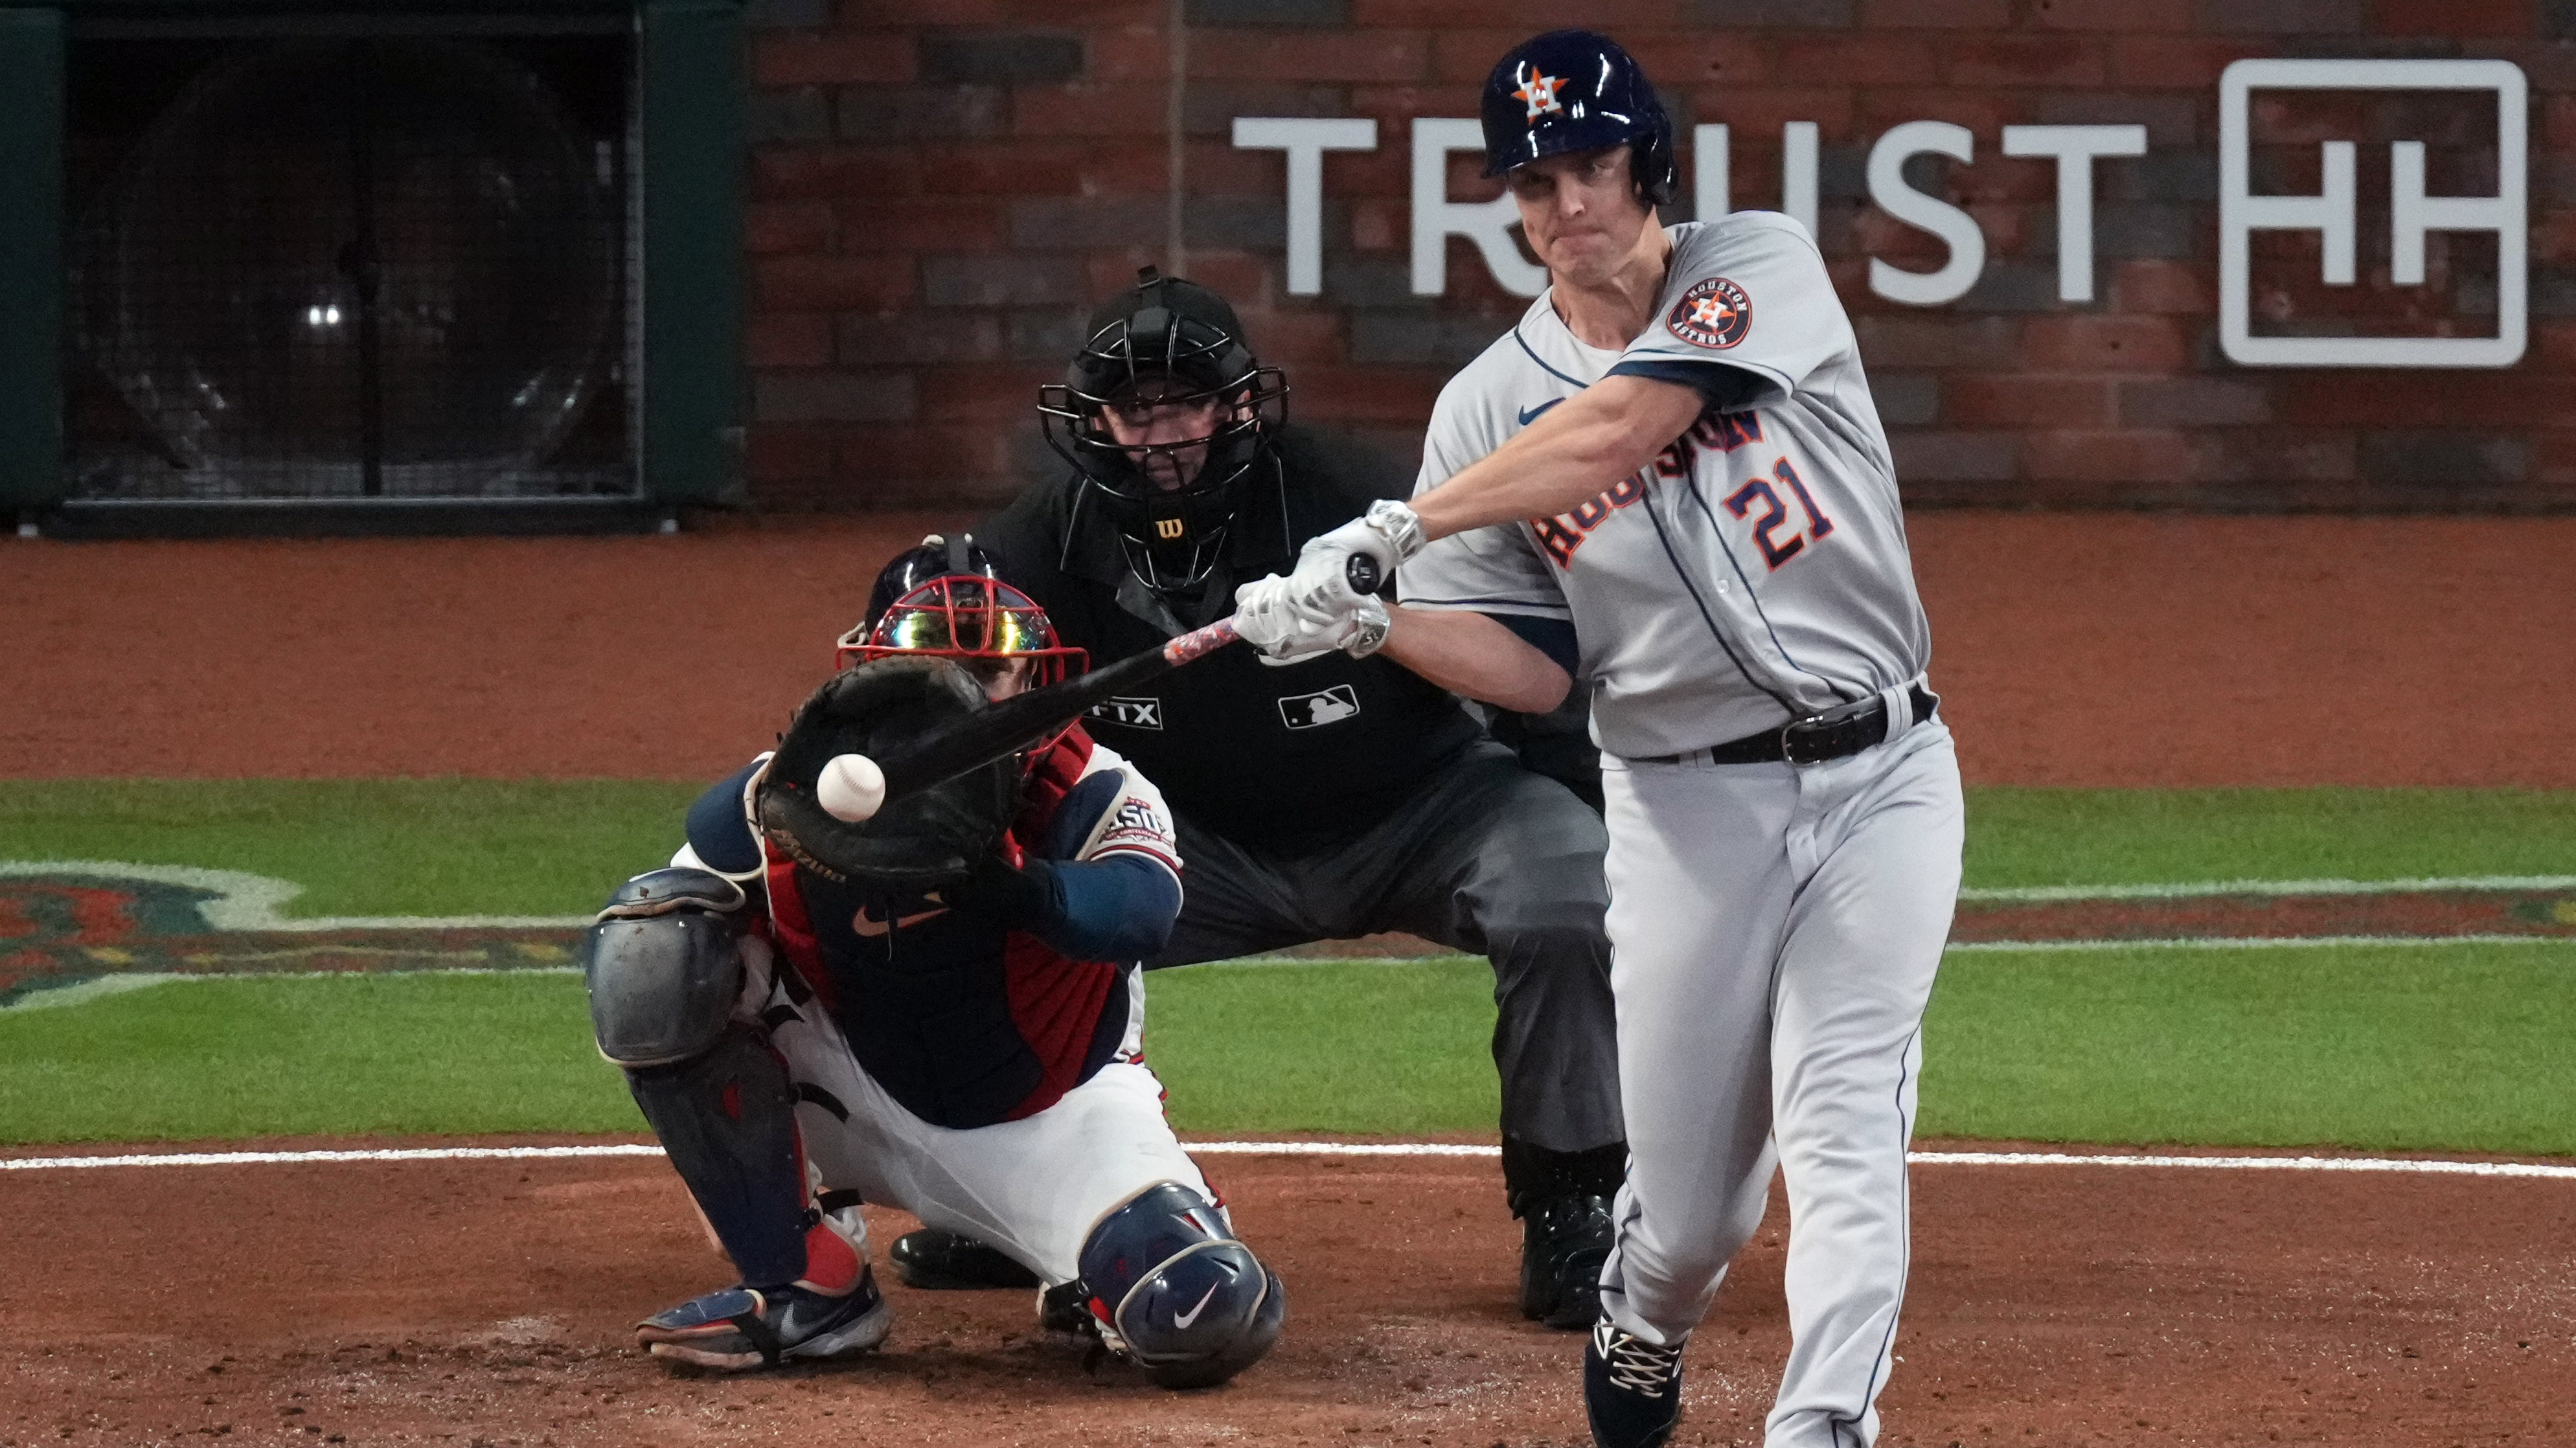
(2411, 213)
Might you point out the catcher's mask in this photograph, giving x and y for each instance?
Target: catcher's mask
(1167, 343)
(944, 600)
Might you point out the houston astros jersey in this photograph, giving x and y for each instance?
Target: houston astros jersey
(1756, 570)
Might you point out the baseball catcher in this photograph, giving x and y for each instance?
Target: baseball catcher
(930, 1002)
(1340, 798)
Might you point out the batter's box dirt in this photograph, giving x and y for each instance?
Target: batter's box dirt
(456, 1303)
(2341, 914)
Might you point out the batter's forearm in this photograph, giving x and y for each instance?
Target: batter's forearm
(1470, 654)
(1577, 451)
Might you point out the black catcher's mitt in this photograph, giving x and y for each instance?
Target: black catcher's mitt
(913, 845)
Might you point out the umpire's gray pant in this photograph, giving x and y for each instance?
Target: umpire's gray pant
(1486, 857)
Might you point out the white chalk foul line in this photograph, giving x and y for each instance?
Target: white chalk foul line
(2399, 1165)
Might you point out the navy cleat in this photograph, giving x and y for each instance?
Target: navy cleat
(1564, 1241)
(741, 1328)
(1632, 1389)
(1064, 1310)
(938, 1260)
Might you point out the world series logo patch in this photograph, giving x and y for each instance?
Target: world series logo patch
(1714, 313)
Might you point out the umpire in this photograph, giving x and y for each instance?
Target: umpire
(1341, 799)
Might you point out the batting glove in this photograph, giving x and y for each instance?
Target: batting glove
(1354, 561)
(1285, 630)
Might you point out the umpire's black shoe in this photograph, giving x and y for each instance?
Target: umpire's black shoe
(1564, 1241)
(1632, 1389)
(938, 1260)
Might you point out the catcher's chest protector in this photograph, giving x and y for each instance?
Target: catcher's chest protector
(962, 1021)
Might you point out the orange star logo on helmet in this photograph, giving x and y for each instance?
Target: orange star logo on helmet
(1539, 91)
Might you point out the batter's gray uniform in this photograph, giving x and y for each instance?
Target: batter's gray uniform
(1775, 927)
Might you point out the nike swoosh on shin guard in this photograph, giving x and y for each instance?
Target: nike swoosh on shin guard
(1182, 1320)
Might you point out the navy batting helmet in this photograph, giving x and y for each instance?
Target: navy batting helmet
(1574, 90)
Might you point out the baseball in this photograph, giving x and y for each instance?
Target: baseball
(850, 788)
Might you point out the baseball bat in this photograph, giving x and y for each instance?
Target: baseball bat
(1017, 722)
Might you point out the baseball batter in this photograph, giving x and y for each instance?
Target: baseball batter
(935, 1005)
(1675, 454)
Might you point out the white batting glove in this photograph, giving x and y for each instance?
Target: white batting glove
(1284, 630)
(1384, 536)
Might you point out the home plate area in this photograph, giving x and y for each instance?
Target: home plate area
(491, 1301)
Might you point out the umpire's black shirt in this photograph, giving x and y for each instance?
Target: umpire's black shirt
(1284, 759)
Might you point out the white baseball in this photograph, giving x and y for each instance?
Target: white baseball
(851, 788)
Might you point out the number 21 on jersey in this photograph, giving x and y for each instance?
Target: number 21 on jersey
(1777, 549)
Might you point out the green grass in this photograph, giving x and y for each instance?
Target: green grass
(366, 847)
(1368, 1047)
(2128, 836)
(2449, 1047)
(2454, 1047)
(498, 847)
(326, 1054)
(1372, 1047)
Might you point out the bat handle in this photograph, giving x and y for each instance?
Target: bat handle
(1200, 642)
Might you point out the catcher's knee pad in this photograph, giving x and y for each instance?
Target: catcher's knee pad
(663, 964)
(1190, 1304)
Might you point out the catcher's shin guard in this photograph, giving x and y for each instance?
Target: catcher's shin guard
(728, 1121)
(1173, 1288)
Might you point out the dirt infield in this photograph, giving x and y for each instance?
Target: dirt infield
(465, 1303)
(2070, 649)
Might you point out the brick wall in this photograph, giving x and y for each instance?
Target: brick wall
(940, 188)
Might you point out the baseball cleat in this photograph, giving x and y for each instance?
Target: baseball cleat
(741, 1328)
(1632, 1389)
(937, 1260)
(1064, 1310)
(1564, 1241)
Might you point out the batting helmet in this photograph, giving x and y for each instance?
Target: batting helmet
(944, 598)
(1574, 90)
(1166, 342)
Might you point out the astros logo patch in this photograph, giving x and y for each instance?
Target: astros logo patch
(1540, 92)
(1714, 313)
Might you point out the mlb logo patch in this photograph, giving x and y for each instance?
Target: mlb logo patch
(1129, 713)
(1314, 711)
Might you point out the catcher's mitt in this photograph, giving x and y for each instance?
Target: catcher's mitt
(915, 844)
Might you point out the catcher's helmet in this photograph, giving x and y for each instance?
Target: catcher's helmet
(1167, 340)
(944, 598)
(1574, 90)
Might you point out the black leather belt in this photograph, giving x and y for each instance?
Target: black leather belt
(1834, 734)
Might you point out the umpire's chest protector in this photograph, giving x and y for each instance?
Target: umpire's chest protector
(963, 1022)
